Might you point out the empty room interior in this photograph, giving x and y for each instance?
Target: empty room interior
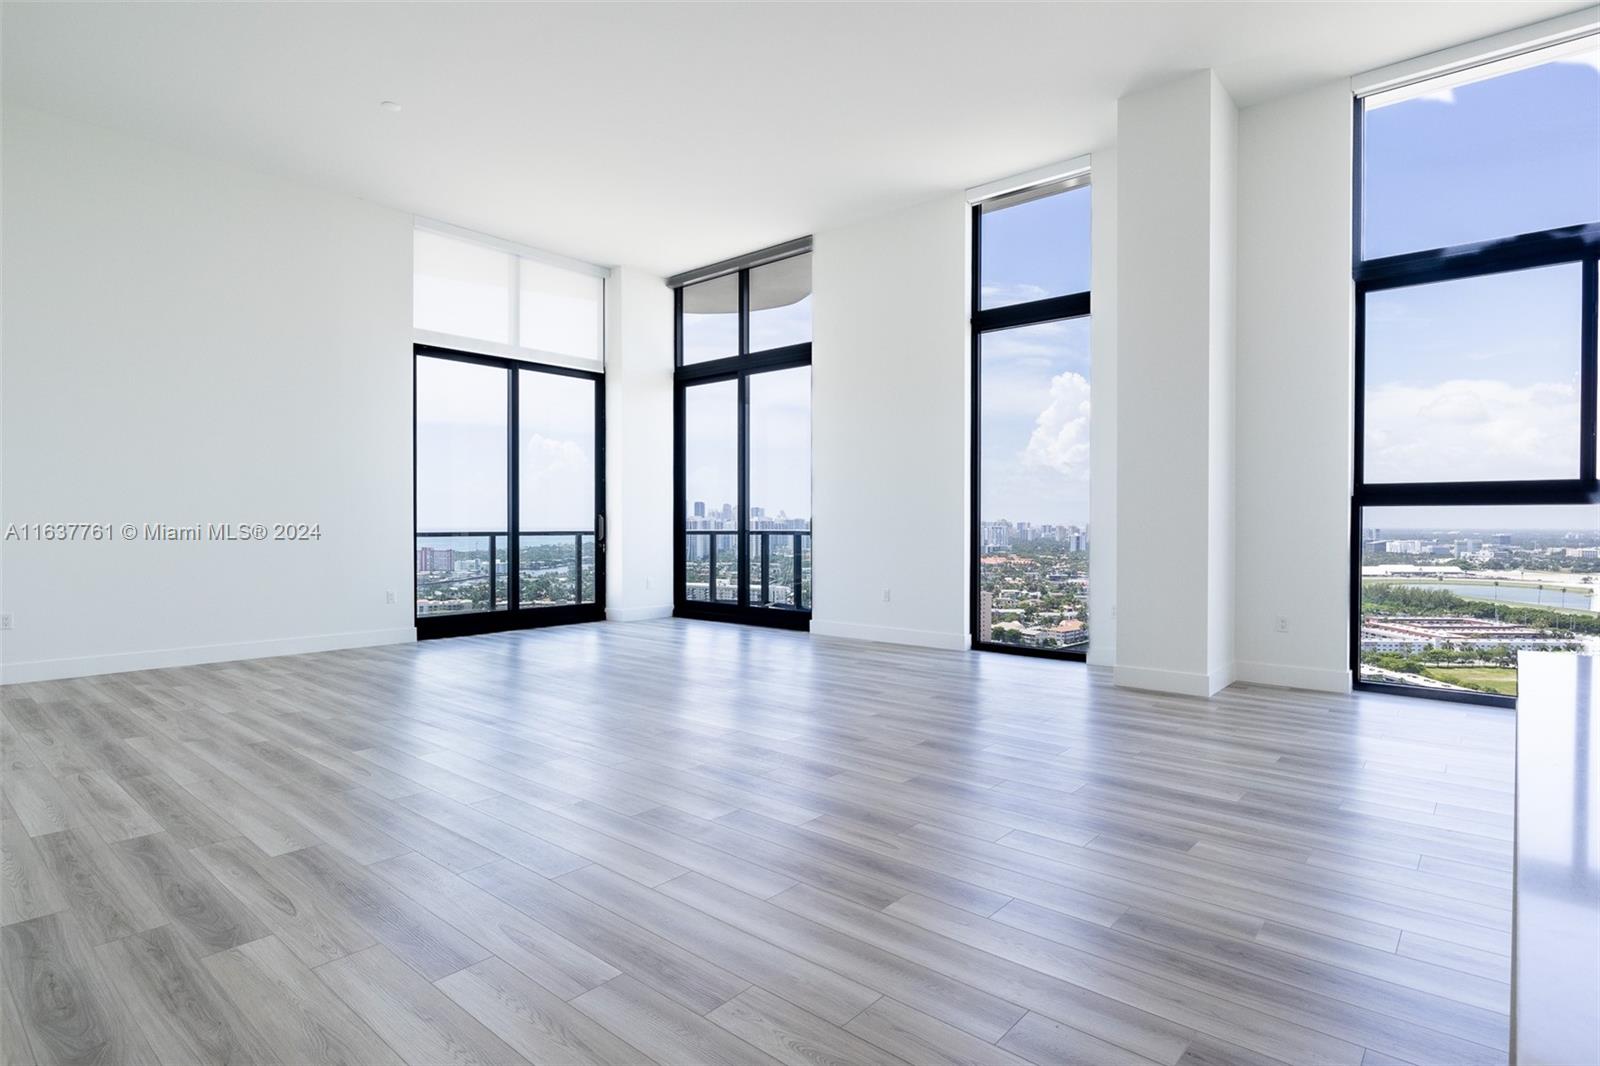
(1004, 534)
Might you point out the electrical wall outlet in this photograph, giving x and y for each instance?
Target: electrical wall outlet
(5, 621)
(1283, 623)
(388, 597)
(885, 595)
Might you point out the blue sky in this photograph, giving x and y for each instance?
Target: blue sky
(1035, 406)
(1476, 379)
(1510, 154)
(1036, 249)
(1479, 378)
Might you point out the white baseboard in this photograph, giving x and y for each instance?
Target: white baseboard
(638, 614)
(121, 662)
(1222, 677)
(1179, 682)
(921, 638)
(1315, 679)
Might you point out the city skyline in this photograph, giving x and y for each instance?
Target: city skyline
(698, 514)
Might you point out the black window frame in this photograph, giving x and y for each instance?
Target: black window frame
(515, 616)
(991, 320)
(739, 367)
(1579, 244)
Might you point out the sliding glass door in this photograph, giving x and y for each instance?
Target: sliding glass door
(557, 415)
(711, 481)
(496, 438)
(744, 444)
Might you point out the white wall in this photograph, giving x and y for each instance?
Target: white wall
(1220, 389)
(1103, 416)
(639, 367)
(1294, 390)
(890, 426)
(1174, 292)
(185, 342)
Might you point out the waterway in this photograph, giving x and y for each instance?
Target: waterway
(1572, 599)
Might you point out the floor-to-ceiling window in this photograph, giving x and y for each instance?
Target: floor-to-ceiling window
(509, 440)
(1030, 420)
(1476, 510)
(743, 524)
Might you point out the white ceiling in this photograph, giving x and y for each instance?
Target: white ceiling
(668, 135)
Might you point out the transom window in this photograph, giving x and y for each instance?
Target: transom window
(479, 294)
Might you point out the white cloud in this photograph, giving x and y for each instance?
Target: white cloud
(1003, 293)
(1060, 438)
(1589, 57)
(1471, 429)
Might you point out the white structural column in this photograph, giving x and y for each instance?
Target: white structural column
(1175, 424)
(1295, 379)
(638, 446)
(889, 413)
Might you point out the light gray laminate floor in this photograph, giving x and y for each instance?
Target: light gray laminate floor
(689, 842)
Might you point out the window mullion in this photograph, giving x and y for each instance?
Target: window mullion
(742, 520)
(1589, 369)
(513, 489)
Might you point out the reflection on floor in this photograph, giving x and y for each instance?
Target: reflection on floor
(682, 842)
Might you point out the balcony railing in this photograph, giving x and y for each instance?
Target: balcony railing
(780, 567)
(466, 572)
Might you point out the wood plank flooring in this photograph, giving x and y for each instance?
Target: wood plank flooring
(681, 842)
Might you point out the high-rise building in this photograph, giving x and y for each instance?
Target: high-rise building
(996, 534)
(985, 615)
(435, 559)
